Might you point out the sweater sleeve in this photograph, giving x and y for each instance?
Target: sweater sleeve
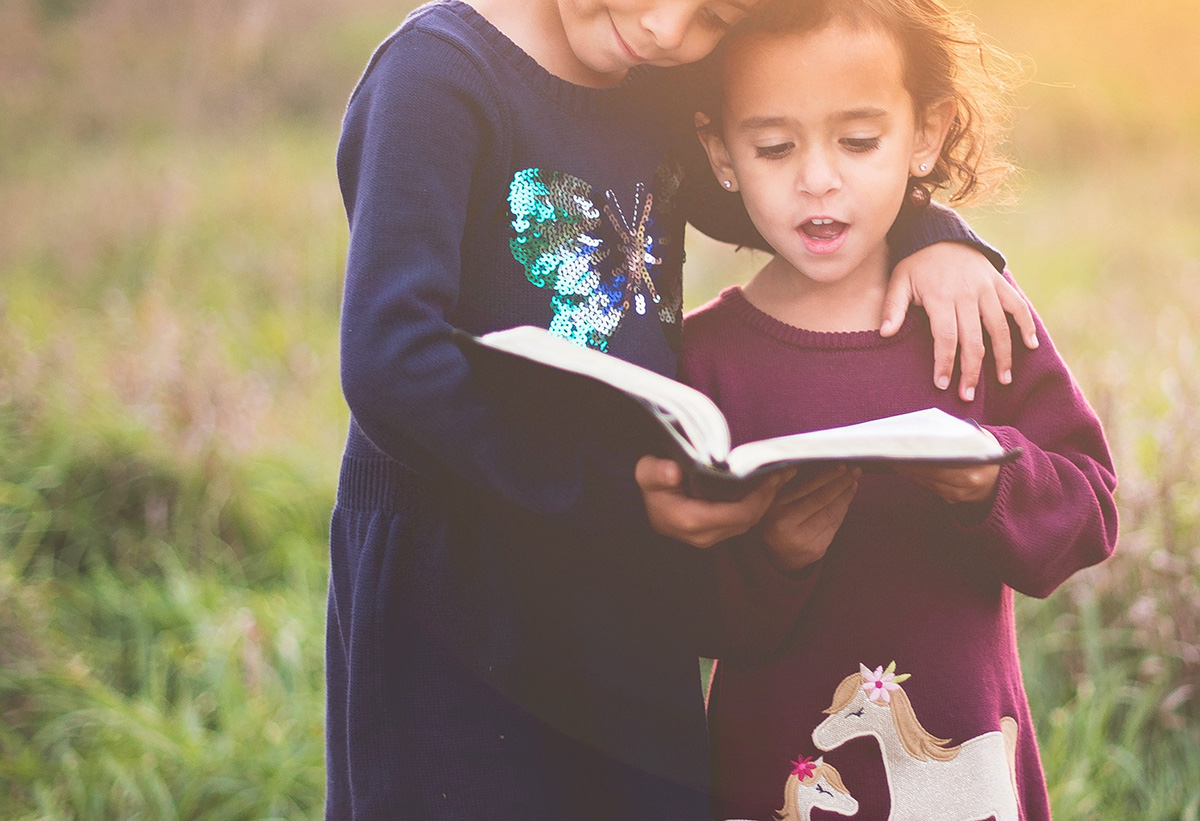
(1053, 512)
(421, 123)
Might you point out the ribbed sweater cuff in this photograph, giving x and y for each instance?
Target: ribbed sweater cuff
(935, 224)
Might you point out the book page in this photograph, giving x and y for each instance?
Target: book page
(929, 434)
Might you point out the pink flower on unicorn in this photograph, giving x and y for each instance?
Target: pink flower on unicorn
(803, 767)
(882, 683)
(814, 785)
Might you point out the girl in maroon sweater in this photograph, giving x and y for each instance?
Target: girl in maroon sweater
(898, 694)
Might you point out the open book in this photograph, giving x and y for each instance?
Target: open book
(693, 430)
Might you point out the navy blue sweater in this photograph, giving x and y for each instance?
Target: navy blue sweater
(506, 636)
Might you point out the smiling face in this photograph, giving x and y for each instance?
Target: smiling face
(820, 136)
(608, 37)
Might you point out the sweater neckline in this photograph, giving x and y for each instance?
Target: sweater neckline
(563, 93)
(736, 302)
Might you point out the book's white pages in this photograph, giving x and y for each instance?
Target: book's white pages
(926, 435)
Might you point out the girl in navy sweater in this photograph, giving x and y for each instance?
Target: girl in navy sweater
(898, 693)
(507, 635)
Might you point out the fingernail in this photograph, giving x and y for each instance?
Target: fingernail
(969, 394)
(1033, 340)
(1006, 378)
(942, 382)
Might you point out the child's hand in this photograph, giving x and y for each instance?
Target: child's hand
(699, 523)
(963, 295)
(800, 525)
(955, 485)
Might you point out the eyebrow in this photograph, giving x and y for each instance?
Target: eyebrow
(761, 122)
(870, 113)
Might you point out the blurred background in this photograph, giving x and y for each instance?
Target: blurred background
(171, 251)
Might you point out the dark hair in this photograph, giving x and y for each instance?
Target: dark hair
(944, 57)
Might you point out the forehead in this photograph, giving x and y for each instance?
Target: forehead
(814, 74)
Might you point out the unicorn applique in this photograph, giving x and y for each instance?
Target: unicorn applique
(813, 785)
(926, 776)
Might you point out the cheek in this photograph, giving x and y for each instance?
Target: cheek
(696, 45)
(701, 42)
(887, 178)
(768, 197)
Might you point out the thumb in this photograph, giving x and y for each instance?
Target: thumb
(653, 473)
(895, 304)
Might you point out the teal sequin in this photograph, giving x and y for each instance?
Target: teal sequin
(557, 239)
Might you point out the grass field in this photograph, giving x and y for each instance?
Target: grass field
(170, 421)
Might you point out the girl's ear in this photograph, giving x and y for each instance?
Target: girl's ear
(718, 155)
(931, 134)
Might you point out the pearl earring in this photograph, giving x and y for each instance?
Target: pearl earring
(727, 184)
(924, 167)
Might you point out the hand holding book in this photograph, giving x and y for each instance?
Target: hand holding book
(695, 521)
(800, 525)
(971, 483)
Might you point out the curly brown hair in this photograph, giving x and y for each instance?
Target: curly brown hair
(945, 58)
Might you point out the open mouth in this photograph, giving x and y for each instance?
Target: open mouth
(823, 228)
(823, 235)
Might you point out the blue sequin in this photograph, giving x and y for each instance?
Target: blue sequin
(557, 239)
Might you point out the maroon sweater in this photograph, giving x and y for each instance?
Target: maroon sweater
(908, 578)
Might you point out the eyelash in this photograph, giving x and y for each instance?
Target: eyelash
(856, 145)
(773, 152)
(861, 145)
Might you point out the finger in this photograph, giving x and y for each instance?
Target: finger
(895, 304)
(804, 508)
(755, 504)
(809, 485)
(1014, 302)
(818, 530)
(653, 473)
(837, 505)
(835, 512)
(835, 489)
(725, 519)
(944, 326)
(971, 349)
(996, 323)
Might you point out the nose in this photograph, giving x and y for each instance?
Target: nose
(668, 24)
(818, 173)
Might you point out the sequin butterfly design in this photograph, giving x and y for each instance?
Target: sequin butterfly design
(600, 261)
